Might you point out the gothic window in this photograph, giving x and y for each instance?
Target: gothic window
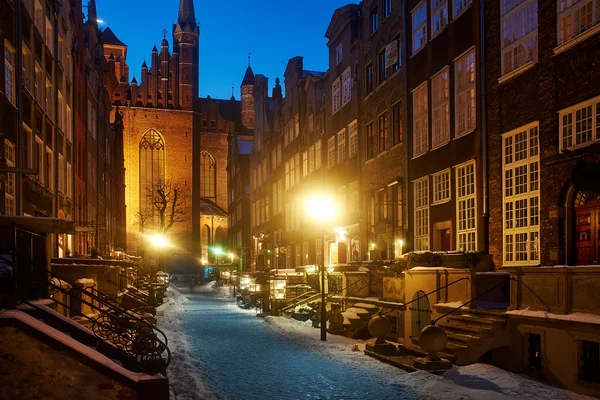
(208, 170)
(152, 168)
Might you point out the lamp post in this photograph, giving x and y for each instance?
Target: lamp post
(323, 211)
(158, 242)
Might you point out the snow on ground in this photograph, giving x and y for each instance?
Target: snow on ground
(477, 381)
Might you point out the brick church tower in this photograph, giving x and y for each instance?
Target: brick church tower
(186, 37)
(248, 98)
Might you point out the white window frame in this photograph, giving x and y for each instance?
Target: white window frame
(442, 189)
(353, 138)
(420, 120)
(311, 159)
(466, 206)
(338, 54)
(331, 152)
(9, 72)
(305, 163)
(419, 32)
(10, 182)
(346, 86)
(41, 150)
(336, 100)
(69, 181)
(318, 154)
(465, 96)
(341, 146)
(520, 151)
(421, 213)
(569, 10)
(509, 17)
(460, 6)
(584, 115)
(440, 115)
(439, 16)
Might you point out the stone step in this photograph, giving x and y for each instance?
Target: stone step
(371, 308)
(478, 330)
(467, 319)
(462, 338)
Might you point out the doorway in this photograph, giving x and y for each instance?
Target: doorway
(442, 236)
(420, 313)
(587, 228)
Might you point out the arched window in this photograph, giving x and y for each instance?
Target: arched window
(152, 168)
(208, 175)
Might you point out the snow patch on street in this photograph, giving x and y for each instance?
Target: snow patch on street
(477, 381)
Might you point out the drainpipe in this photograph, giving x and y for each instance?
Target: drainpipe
(484, 134)
(22, 158)
(405, 181)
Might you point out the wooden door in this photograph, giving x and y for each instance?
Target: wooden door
(587, 229)
(420, 313)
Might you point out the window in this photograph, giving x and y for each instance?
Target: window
(305, 164)
(331, 152)
(28, 68)
(521, 195)
(369, 78)
(382, 132)
(576, 17)
(396, 124)
(420, 120)
(421, 193)
(439, 15)
(9, 184)
(311, 159)
(393, 58)
(9, 72)
(341, 142)
(387, 8)
(61, 174)
(465, 207)
(382, 69)
(287, 175)
(519, 34)
(152, 168)
(318, 154)
(49, 169)
(461, 5)
(374, 20)
(419, 24)
(338, 54)
(580, 124)
(381, 205)
(38, 159)
(441, 109)
(465, 94)
(69, 189)
(441, 187)
(346, 87)
(335, 96)
(353, 136)
(589, 366)
(370, 142)
(296, 125)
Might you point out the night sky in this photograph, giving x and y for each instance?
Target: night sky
(272, 30)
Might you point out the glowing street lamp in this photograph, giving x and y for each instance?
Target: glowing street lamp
(231, 257)
(158, 241)
(322, 210)
(217, 251)
(400, 245)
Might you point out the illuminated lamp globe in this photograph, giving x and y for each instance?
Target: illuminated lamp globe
(380, 327)
(433, 339)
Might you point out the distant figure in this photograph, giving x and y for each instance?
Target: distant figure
(68, 253)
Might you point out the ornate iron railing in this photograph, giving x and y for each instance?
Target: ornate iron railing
(125, 329)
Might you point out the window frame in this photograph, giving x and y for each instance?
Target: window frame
(421, 234)
(382, 132)
(338, 54)
(507, 48)
(388, 8)
(435, 10)
(441, 138)
(353, 139)
(573, 111)
(331, 152)
(466, 199)
(445, 186)
(374, 20)
(336, 96)
(346, 86)
(9, 70)
(341, 146)
(420, 28)
(465, 4)
(464, 89)
(369, 71)
(370, 137)
(571, 12)
(421, 146)
(397, 123)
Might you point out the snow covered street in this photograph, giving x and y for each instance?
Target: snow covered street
(223, 352)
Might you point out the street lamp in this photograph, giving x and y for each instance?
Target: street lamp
(217, 251)
(158, 242)
(322, 210)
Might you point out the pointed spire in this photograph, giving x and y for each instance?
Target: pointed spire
(154, 49)
(144, 65)
(248, 77)
(92, 13)
(123, 80)
(134, 81)
(111, 57)
(186, 13)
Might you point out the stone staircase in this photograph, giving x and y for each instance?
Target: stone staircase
(357, 317)
(471, 333)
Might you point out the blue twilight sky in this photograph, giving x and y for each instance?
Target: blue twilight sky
(272, 30)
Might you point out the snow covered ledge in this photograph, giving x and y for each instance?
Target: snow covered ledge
(556, 290)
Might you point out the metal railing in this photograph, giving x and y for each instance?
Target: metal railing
(125, 329)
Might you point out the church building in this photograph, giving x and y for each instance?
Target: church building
(175, 143)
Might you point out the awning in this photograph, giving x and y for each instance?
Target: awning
(38, 224)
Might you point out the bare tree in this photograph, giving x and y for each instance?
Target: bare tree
(167, 201)
(143, 220)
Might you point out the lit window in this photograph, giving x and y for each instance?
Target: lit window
(521, 195)
(519, 34)
(576, 17)
(441, 187)
(382, 132)
(318, 154)
(421, 196)
(439, 15)
(441, 109)
(346, 87)
(152, 168)
(419, 24)
(331, 152)
(396, 124)
(370, 141)
(465, 94)
(341, 142)
(9, 184)
(353, 138)
(305, 164)
(420, 121)
(9, 72)
(465, 207)
(580, 124)
(335, 96)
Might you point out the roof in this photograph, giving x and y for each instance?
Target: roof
(38, 224)
(207, 207)
(307, 72)
(245, 146)
(248, 77)
(110, 38)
